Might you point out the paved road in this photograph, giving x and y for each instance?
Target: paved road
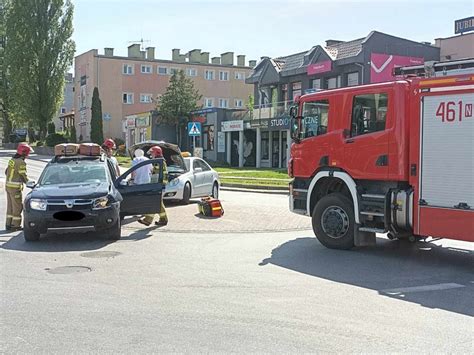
(161, 291)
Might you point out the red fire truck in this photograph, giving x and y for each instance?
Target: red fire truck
(395, 157)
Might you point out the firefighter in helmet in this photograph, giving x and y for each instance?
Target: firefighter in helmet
(155, 152)
(16, 177)
(109, 146)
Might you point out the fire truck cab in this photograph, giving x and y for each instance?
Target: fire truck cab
(395, 157)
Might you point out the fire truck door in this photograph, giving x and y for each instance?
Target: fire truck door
(446, 193)
(366, 148)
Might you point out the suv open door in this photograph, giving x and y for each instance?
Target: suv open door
(141, 199)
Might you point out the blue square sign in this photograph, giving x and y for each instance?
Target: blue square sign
(194, 129)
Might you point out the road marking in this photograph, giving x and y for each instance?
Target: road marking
(437, 287)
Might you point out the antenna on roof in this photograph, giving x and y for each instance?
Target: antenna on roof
(141, 41)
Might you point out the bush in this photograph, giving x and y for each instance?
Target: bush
(55, 138)
(39, 143)
(119, 141)
(73, 137)
(121, 151)
(51, 128)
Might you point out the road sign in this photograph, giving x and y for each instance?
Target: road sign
(194, 129)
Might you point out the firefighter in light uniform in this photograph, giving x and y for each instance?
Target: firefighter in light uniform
(155, 152)
(15, 178)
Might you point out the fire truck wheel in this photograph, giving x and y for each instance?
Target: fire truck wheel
(333, 221)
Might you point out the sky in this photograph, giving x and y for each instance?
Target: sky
(255, 28)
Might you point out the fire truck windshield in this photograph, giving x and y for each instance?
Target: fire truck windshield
(314, 121)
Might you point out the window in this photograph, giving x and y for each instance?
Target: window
(353, 79)
(333, 83)
(174, 71)
(127, 98)
(296, 89)
(191, 72)
(145, 69)
(63, 110)
(284, 92)
(127, 69)
(208, 102)
(315, 118)
(316, 84)
(369, 113)
(238, 103)
(239, 75)
(223, 75)
(223, 103)
(162, 71)
(265, 145)
(145, 98)
(209, 74)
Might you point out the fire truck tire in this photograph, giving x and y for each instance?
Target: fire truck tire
(333, 221)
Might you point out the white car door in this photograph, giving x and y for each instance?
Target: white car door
(208, 178)
(198, 178)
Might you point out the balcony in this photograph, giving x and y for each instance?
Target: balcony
(271, 110)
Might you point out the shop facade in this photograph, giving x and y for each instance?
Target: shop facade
(137, 128)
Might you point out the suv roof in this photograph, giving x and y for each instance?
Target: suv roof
(68, 158)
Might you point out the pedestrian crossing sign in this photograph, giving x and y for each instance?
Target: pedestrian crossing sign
(194, 129)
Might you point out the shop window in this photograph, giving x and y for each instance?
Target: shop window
(369, 113)
(315, 118)
(265, 145)
(353, 79)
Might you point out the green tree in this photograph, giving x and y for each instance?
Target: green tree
(51, 128)
(4, 105)
(97, 135)
(39, 50)
(178, 101)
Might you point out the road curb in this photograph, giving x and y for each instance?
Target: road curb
(254, 190)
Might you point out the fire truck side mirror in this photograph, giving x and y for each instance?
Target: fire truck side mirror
(346, 133)
(294, 129)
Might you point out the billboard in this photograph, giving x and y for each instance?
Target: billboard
(381, 65)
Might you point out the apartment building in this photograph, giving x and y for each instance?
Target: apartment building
(132, 84)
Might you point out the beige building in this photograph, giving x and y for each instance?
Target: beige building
(128, 85)
(456, 47)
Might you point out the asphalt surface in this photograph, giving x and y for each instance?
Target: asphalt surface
(156, 290)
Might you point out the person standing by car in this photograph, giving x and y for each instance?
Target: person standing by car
(141, 175)
(109, 146)
(156, 152)
(16, 177)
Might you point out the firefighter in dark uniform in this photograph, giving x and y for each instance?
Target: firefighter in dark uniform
(15, 178)
(155, 152)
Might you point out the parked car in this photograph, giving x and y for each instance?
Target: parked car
(189, 177)
(82, 193)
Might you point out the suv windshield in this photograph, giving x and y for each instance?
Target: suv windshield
(73, 172)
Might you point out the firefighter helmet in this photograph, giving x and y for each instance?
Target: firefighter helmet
(156, 152)
(24, 149)
(109, 143)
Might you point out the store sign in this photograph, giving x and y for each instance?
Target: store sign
(259, 123)
(232, 126)
(382, 65)
(142, 121)
(276, 124)
(130, 121)
(320, 67)
(464, 25)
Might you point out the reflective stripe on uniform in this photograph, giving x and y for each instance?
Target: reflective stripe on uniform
(9, 216)
(13, 184)
(15, 218)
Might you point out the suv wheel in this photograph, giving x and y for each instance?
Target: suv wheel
(30, 235)
(114, 233)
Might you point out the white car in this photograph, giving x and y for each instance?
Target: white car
(188, 177)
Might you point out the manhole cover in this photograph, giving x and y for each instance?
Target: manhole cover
(101, 254)
(69, 269)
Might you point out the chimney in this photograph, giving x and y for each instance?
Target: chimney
(150, 53)
(109, 52)
(332, 42)
(143, 54)
(252, 63)
(216, 60)
(175, 56)
(205, 57)
(182, 58)
(134, 51)
(227, 58)
(241, 60)
(194, 56)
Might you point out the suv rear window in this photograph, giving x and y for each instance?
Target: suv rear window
(73, 172)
